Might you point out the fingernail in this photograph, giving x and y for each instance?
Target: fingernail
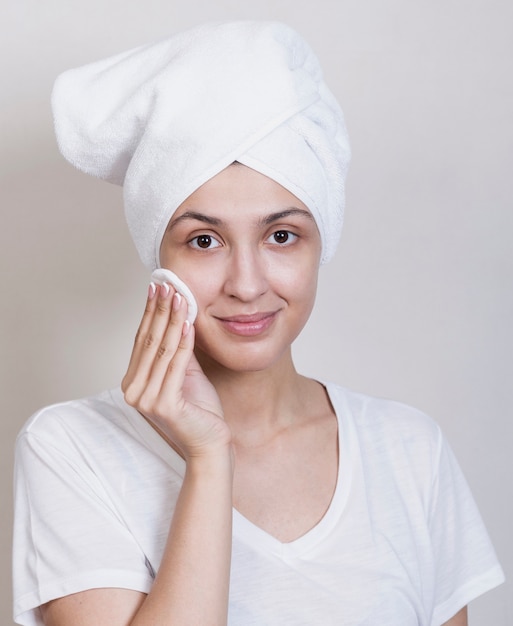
(177, 300)
(164, 290)
(186, 328)
(152, 290)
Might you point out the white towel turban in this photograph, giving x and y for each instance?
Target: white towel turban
(162, 119)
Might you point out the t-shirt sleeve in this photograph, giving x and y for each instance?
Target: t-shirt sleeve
(465, 561)
(67, 535)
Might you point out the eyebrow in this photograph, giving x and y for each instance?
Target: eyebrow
(215, 221)
(194, 215)
(274, 217)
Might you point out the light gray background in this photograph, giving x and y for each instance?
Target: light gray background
(418, 303)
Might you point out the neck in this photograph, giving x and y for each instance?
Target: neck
(257, 403)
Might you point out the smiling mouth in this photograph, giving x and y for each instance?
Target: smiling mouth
(248, 325)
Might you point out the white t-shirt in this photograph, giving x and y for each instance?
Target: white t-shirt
(401, 543)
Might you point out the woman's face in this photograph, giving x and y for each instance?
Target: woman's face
(249, 251)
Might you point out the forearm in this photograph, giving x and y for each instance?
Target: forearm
(192, 583)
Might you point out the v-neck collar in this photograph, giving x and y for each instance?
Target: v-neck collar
(248, 532)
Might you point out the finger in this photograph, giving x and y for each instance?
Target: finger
(177, 369)
(141, 333)
(168, 346)
(148, 342)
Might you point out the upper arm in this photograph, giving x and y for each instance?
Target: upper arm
(460, 619)
(94, 607)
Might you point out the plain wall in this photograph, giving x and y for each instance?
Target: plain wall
(417, 305)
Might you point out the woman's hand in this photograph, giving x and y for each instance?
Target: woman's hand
(165, 383)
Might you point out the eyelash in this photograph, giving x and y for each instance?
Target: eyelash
(290, 239)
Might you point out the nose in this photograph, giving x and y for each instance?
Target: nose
(246, 275)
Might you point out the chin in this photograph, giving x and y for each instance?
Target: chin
(243, 359)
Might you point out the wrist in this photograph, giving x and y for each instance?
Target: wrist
(212, 462)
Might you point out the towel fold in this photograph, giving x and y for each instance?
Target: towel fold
(162, 119)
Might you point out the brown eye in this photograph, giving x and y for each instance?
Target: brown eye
(281, 236)
(204, 241)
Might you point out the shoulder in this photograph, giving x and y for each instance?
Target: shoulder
(78, 420)
(382, 413)
(388, 428)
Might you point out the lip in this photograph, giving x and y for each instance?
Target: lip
(250, 325)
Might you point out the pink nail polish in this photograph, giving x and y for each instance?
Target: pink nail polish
(152, 290)
(164, 290)
(177, 300)
(186, 328)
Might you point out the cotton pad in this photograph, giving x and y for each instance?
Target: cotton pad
(161, 276)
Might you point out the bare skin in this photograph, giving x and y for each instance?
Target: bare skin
(226, 396)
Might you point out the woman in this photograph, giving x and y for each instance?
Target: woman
(218, 485)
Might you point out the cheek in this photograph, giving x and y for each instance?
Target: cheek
(206, 281)
(204, 285)
(298, 279)
(202, 281)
